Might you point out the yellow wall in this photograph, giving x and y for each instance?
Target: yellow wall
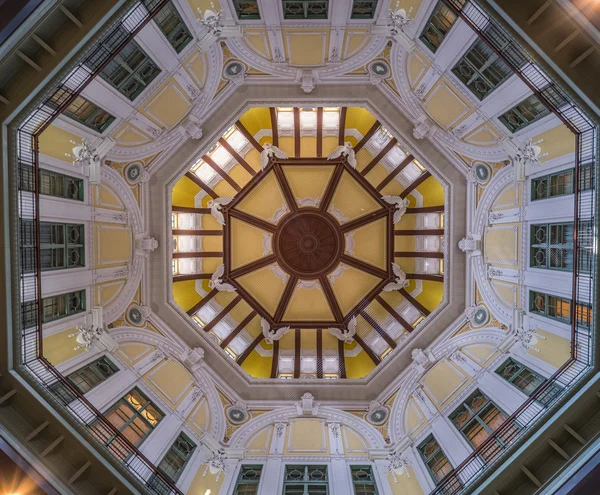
(553, 349)
(405, 485)
(201, 484)
(184, 192)
(185, 294)
(59, 347)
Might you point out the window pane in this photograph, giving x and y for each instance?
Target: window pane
(363, 9)
(438, 26)
(306, 9)
(523, 114)
(246, 9)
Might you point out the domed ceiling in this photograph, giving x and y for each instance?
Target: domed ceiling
(296, 247)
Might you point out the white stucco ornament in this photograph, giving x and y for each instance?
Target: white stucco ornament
(422, 128)
(193, 358)
(211, 19)
(471, 245)
(399, 19)
(400, 281)
(268, 151)
(86, 336)
(422, 361)
(398, 466)
(216, 208)
(344, 150)
(216, 281)
(400, 204)
(272, 334)
(215, 464)
(146, 243)
(345, 334)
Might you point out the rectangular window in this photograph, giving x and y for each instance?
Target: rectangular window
(523, 114)
(52, 183)
(246, 9)
(131, 70)
(172, 26)
(363, 9)
(248, 480)
(559, 308)
(302, 480)
(477, 418)
(86, 378)
(87, 113)
(305, 9)
(438, 25)
(549, 186)
(527, 381)
(53, 308)
(363, 480)
(173, 463)
(552, 246)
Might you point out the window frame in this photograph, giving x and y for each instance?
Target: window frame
(237, 5)
(47, 302)
(75, 107)
(370, 482)
(90, 368)
(520, 111)
(243, 483)
(545, 397)
(564, 248)
(579, 308)
(426, 460)
(157, 483)
(436, 14)
(548, 180)
(363, 15)
(162, 18)
(305, 4)
(306, 482)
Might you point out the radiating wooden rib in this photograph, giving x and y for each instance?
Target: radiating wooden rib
(203, 186)
(252, 220)
(224, 175)
(374, 357)
(382, 333)
(365, 267)
(199, 254)
(192, 276)
(274, 130)
(194, 309)
(319, 353)
(250, 267)
(419, 232)
(187, 209)
(418, 254)
(364, 220)
(341, 359)
(285, 187)
(331, 188)
(426, 209)
(285, 297)
(296, 131)
(297, 352)
(235, 332)
(224, 312)
(407, 326)
(319, 131)
(395, 172)
(237, 157)
(342, 127)
(422, 309)
(275, 360)
(309, 324)
(418, 181)
(331, 299)
(379, 156)
(425, 276)
(242, 357)
(248, 136)
(367, 136)
(196, 232)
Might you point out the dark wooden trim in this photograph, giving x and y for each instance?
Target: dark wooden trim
(365, 267)
(199, 254)
(425, 276)
(308, 324)
(367, 136)
(235, 332)
(331, 299)
(275, 359)
(224, 312)
(331, 188)
(285, 187)
(426, 209)
(224, 175)
(319, 353)
(422, 309)
(187, 209)
(226, 240)
(407, 326)
(248, 136)
(382, 333)
(374, 357)
(254, 265)
(203, 186)
(399, 168)
(250, 301)
(242, 357)
(196, 232)
(418, 254)
(341, 359)
(419, 232)
(297, 352)
(285, 297)
(364, 220)
(252, 220)
(239, 158)
(296, 132)
(194, 309)
(319, 132)
(379, 156)
(418, 181)
(274, 131)
(375, 291)
(192, 276)
(342, 128)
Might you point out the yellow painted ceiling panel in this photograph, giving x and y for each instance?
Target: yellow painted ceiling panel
(329, 144)
(256, 119)
(354, 41)
(445, 106)
(308, 182)
(258, 41)
(351, 199)
(306, 48)
(432, 192)
(359, 118)
(184, 192)
(352, 286)
(246, 243)
(359, 366)
(60, 347)
(265, 286)
(442, 381)
(265, 200)
(308, 304)
(257, 366)
(287, 342)
(370, 242)
(287, 145)
(169, 106)
(171, 379)
(377, 174)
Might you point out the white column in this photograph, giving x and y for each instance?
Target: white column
(272, 469)
(453, 46)
(380, 469)
(340, 482)
(112, 389)
(450, 439)
(161, 438)
(500, 392)
(419, 468)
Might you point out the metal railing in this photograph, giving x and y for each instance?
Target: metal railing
(585, 239)
(33, 365)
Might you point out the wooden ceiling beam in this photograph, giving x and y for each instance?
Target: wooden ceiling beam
(319, 132)
(236, 331)
(224, 175)
(309, 324)
(382, 333)
(254, 265)
(297, 352)
(331, 299)
(285, 298)
(222, 314)
(242, 357)
(417, 182)
(426, 209)
(196, 307)
(342, 126)
(237, 157)
(248, 136)
(252, 220)
(275, 359)
(374, 357)
(367, 136)
(331, 188)
(418, 254)
(422, 309)
(296, 132)
(198, 254)
(425, 276)
(364, 220)
(187, 209)
(197, 232)
(392, 175)
(194, 178)
(407, 326)
(274, 129)
(319, 353)
(285, 187)
(192, 276)
(341, 359)
(365, 267)
(419, 232)
(379, 156)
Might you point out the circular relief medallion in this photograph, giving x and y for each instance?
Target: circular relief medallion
(133, 172)
(233, 69)
(135, 316)
(379, 68)
(237, 415)
(308, 244)
(483, 172)
(481, 316)
(378, 416)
